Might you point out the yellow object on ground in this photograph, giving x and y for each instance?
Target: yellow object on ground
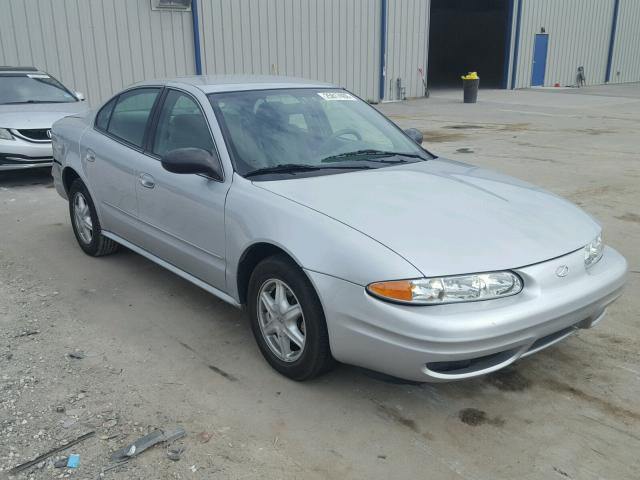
(470, 76)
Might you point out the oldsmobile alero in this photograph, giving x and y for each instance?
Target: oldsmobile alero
(342, 237)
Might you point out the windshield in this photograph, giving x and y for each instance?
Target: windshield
(33, 88)
(308, 130)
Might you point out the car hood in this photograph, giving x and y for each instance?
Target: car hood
(447, 217)
(37, 115)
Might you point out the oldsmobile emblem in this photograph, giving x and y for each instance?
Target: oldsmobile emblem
(49, 133)
(562, 271)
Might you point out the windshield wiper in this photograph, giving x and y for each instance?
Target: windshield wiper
(299, 167)
(372, 153)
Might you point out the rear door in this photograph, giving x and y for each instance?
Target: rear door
(111, 152)
(183, 214)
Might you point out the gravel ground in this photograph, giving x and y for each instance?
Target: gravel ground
(118, 346)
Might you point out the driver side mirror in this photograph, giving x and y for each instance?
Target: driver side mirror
(415, 135)
(79, 96)
(193, 161)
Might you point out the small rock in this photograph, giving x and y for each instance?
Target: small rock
(204, 437)
(110, 423)
(175, 453)
(60, 409)
(69, 422)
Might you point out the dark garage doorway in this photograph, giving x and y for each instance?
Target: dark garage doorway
(466, 36)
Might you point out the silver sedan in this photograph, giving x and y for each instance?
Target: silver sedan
(342, 237)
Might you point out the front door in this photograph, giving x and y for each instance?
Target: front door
(183, 214)
(539, 59)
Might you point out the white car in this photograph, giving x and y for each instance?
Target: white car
(30, 101)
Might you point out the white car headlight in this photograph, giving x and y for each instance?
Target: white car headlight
(593, 251)
(5, 134)
(453, 289)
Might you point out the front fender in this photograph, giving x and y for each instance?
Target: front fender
(315, 241)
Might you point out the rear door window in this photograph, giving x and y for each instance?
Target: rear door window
(131, 114)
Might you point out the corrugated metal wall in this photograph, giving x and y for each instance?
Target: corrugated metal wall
(626, 48)
(337, 41)
(579, 32)
(96, 46)
(329, 40)
(407, 46)
(100, 46)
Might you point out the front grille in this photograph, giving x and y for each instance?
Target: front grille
(37, 134)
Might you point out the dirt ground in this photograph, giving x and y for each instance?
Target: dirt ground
(157, 352)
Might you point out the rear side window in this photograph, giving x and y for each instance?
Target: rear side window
(131, 113)
(102, 119)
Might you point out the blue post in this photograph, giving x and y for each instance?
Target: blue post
(196, 36)
(516, 46)
(612, 40)
(507, 46)
(383, 46)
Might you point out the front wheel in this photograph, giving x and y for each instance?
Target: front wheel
(287, 320)
(85, 223)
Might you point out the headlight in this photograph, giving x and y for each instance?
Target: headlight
(593, 251)
(5, 134)
(454, 289)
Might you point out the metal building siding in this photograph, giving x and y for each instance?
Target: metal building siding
(407, 46)
(578, 32)
(329, 40)
(626, 47)
(96, 46)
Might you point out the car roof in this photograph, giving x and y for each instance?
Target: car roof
(9, 69)
(230, 83)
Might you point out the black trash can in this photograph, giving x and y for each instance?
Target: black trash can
(470, 89)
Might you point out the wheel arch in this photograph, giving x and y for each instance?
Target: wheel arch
(250, 258)
(69, 175)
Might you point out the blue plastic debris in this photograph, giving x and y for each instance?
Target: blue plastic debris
(74, 461)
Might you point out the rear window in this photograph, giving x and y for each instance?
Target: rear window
(131, 113)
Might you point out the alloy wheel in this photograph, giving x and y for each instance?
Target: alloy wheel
(281, 320)
(82, 218)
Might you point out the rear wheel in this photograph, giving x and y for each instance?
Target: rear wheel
(287, 320)
(85, 223)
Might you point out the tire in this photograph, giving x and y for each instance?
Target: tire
(95, 245)
(314, 358)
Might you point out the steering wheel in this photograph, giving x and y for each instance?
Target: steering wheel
(345, 131)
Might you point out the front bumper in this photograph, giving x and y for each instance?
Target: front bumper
(18, 154)
(458, 341)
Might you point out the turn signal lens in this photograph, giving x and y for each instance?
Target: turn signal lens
(454, 289)
(398, 290)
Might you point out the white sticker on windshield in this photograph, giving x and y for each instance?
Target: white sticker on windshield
(337, 96)
(37, 75)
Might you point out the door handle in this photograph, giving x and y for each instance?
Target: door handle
(146, 180)
(90, 156)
